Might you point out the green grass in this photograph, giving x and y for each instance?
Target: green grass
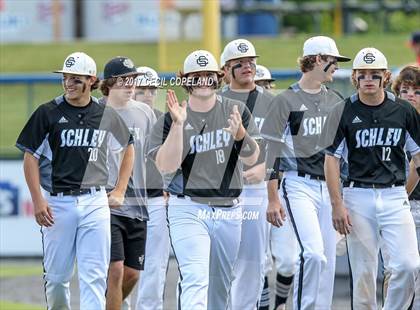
(11, 270)
(275, 53)
(7, 305)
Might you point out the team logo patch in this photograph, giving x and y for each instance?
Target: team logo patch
(243, 48)
(141, 260)
(303, 108)
(356, 120)
(128, 63)
(63, 120)
(202, 61)
(188, 127)
(70, 62)
(369, 58)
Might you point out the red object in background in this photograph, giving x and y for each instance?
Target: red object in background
(28, 208)
(45, 10)
(2, 5)
(112, 9)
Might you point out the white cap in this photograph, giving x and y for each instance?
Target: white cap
(239, 48)
(200, 60)
(262, 74)
(147, 78)
(222, 60)
(321, 45)
(79, 63)
(370, 58)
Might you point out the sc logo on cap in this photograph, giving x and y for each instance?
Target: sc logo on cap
(259, 73)
(70, 62)
(369, 58)
(202, 61)
(243, 48)
(149, 75)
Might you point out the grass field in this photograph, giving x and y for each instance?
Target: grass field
(19, 270)
(9, 270)
(6, 305)
(275, 53)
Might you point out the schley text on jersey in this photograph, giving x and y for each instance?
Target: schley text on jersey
(82, 137)
(378, 136)
(209, 141)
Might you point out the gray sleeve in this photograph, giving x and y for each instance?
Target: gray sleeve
(158, 135)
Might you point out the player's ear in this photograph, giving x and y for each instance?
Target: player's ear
(387, 78)
(318, 59)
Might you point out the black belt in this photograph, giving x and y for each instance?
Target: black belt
(77, 192)
(212, 203)
(310, 176)
(370, 185)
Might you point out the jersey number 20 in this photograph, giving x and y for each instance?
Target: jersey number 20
(93, 153)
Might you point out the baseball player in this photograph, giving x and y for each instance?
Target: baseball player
(371, 130)
(280, 237)
(405, 86)
(205, 137)
(249, 271)
(65, 143)
(263, 77)
(151, 287)
(292, 129)
(128, 223)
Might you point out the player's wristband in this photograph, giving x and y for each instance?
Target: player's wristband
(247, 146)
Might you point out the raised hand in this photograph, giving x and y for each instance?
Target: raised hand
(236, 129)
(178, 112)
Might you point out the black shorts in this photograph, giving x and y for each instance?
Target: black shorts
(128, 241)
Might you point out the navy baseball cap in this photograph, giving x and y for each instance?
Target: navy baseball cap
(415, 37)
(119, 66)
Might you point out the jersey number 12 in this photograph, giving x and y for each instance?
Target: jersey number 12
(386, 153)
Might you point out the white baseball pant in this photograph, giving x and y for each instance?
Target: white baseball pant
(152, 280)
(415, 211)
(284, 247)
(309, 208)
(205, 241)
(81, 232)
(249, 270)
(381, 213)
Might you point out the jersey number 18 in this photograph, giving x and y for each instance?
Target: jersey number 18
(220, 156)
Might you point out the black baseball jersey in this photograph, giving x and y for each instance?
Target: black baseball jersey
(211, 171)
(73, 143)
(258, 102)
(154, 182)
(293, 126)
(373, 139)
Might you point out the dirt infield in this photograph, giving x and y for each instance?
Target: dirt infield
(30, 290)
